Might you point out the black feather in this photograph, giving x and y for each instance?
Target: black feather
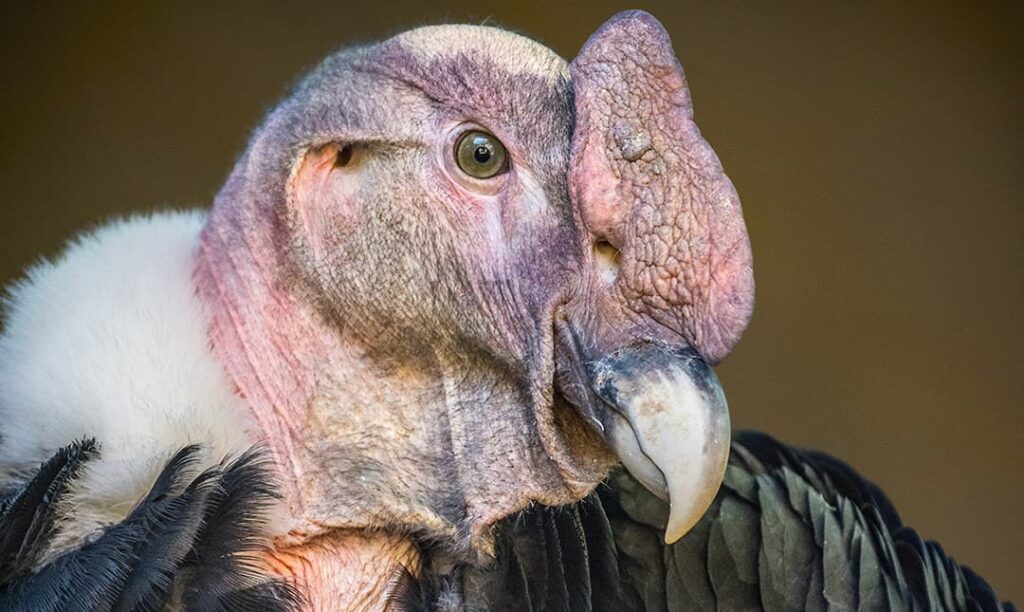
(221, 571)
(408, 594)
(191, 540)
(602, 564)
(28, 515)
(574, 558)
(172, 535)
(94, 576)
(789, 530)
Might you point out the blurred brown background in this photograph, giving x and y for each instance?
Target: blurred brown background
(879, 153)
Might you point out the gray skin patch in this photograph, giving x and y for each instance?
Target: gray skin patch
(632, 140)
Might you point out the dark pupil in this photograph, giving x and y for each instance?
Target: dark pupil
(482, 154)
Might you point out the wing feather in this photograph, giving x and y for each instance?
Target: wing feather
(191, 542)
(789, 530)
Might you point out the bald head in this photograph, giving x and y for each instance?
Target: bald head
(517, 55)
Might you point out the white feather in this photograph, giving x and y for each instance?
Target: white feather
(110, 342)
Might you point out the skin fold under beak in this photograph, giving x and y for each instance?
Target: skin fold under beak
(664, 414)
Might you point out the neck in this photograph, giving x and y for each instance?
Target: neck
(362, 443)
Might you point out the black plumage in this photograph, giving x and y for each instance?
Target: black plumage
(789, 530)
(190, 541)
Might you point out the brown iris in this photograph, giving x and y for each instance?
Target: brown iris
(480, 155)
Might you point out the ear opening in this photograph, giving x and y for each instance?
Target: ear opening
(344, 155)
(322, 192)
(348, 154)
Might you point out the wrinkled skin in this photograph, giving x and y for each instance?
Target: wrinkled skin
(649, 185)
(424, 352)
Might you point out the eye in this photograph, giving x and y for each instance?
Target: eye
(480, 155)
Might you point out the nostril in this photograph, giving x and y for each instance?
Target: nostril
(606, 261)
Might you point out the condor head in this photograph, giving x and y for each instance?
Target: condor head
(454, 275)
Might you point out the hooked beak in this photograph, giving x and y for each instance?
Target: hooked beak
(665, 415)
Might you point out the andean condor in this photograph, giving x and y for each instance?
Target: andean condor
(452, 281)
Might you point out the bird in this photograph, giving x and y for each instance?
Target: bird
(444, 341)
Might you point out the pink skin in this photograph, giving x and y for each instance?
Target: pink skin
(395, 326)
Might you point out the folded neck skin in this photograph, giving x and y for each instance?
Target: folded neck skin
(366, 442)
(368, 447)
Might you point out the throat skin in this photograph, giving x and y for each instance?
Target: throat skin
(349, 570)
(435, 448)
